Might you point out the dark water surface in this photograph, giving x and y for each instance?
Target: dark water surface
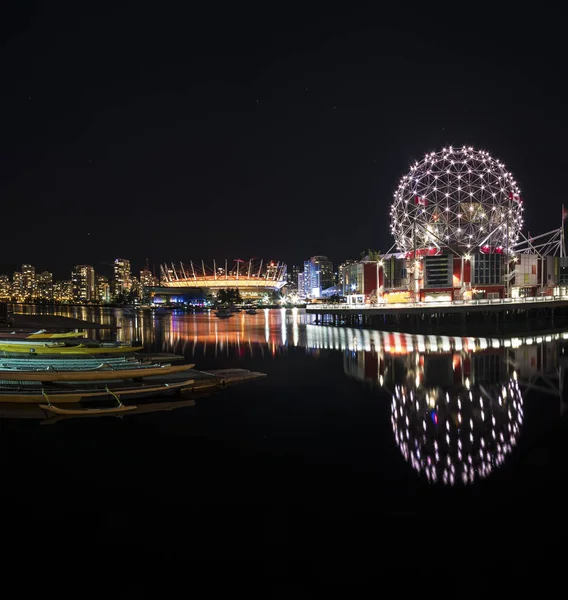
(359, 448)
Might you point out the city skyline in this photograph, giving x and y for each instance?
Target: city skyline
(84, 285)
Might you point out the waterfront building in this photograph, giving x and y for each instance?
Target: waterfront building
(28, 284)
(63, 291)
(457, 239)
(122, 276)
(44, 282)
(135, 287)
(83, 284)
(343, 282)
(18, 294)
(360, 281)
(293, 277)
(301, 285)
(318, 276)
(148, 281)
(103, 289)
(147, 278)
(5, 288)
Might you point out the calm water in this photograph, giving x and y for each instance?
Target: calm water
(355, 438)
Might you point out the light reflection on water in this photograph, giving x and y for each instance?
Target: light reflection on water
(456, 402)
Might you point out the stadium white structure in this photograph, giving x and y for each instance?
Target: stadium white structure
(253, 278)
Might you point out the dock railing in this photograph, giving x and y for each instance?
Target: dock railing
(441, 304)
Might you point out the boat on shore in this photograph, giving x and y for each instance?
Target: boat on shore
(66, 347)
(60, 414)
(101, 372)
(223, 313)
(31, 392)
(45, 335)
(40, 335)
(251, 311)
(121, 408)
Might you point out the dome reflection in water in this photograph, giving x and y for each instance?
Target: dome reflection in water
(456, 403)
(457, 434)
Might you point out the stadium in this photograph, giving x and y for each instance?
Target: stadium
(255, 279)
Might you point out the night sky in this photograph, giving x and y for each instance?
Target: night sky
(276, 132)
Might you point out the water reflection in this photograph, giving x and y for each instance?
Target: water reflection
(456, 402)
(459, 433)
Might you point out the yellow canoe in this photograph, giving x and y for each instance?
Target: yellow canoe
(101, 373)
(57, 336)
(35, 348)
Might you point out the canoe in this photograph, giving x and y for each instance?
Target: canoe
(69, 363)
(61, 348)
(16, 340)
(43, 335)
(40, 334)
(86, 411)
(36, 394)
(101, 373)
(133, 410)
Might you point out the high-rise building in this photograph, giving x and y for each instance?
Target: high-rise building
(103, 289)
(136, 287)
(293, 277)
(122, 276)
(318, 276)
(301, 286)
(18, 293)
(5, 288)
(44, 283)
(147, 278)
(83, 283)
(63, 291)
(28, 282)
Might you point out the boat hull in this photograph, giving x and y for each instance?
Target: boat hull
(86, 411)
(102, 374)
(31, 348)
(74, 396)
(57, 336)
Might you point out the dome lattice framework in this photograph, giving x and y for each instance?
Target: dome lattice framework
(460, 435)
(457, 197)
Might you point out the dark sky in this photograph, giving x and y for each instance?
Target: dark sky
(276, 132)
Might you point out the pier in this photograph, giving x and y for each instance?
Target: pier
(498, 316)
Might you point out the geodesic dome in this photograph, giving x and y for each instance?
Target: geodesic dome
(457, 197)
(461, 435)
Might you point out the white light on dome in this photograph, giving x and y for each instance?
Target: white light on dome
(417, 203)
